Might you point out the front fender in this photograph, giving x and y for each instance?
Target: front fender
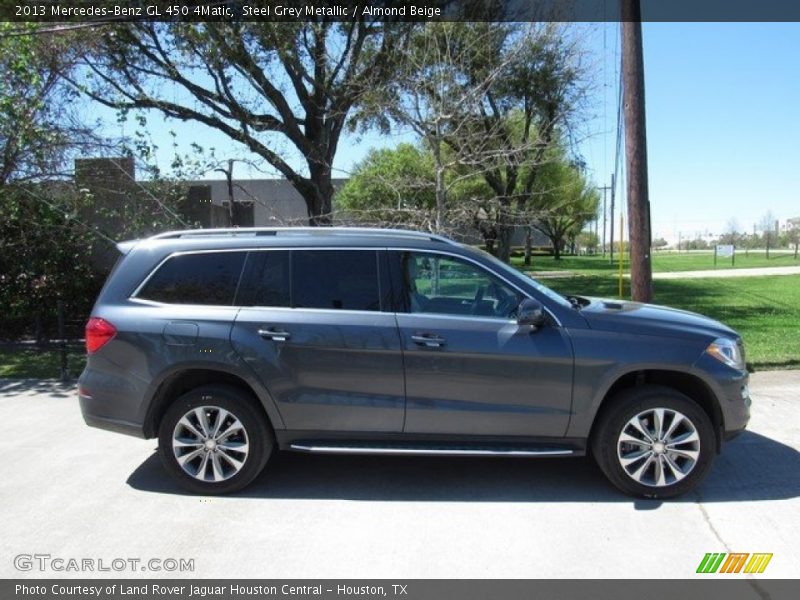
(600, 362)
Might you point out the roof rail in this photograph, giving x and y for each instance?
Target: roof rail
(259, 231)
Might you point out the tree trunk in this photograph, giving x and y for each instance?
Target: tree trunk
(441, 191)
(38, 325)
(556, 248)
(505, 229)
(439, 220)
(528, 245)
(505, 232)
(489, 239)
(318, 195)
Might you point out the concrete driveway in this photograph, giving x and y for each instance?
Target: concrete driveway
(72, 492)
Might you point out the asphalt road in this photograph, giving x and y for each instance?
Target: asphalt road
(74, 492)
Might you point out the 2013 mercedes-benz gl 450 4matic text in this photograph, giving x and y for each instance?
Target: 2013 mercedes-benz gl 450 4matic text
(229, 345)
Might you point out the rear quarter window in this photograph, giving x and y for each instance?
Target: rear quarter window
(207, 278)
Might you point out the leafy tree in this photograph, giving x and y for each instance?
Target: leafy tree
(391, 186)
(399, 186)
(538, 93)
(265, 85)
(44, 257)
(588, 240)
(562, 202)
(731, 234)
(487, 100)
(793, 237)
(697, 244)
(660, 243)
(40, 128)
(433, 95)
(767, 226)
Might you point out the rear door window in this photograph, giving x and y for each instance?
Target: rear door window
(208, 278)
(335, 279)
(267, 280)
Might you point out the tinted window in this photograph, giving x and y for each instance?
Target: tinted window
(270, 279)
(205, 278)
(443, 285)
(341, 279)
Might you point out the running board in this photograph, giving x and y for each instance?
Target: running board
(423, 451)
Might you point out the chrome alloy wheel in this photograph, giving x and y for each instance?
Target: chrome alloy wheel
(658, 447)
(210, 443)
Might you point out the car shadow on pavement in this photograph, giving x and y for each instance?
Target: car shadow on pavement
(752, 467)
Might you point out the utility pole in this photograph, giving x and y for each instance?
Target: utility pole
(611, 219)
(232, 221)
(605, 188)
(636, 151)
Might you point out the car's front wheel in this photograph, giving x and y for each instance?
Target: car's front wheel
(654, 442)
(214, 440)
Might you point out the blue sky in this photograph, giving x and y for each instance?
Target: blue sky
(722, 123)
(723, 127)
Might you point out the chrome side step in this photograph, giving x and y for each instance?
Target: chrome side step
(422, 451)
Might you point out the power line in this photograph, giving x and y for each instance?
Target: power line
(605, 103)
(149, 193)
(615, 176)
(60, 29)
(95, 23)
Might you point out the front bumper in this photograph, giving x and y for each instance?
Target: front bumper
(736, 413)
(732, 390)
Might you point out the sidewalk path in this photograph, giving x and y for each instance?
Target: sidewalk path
(755, 272)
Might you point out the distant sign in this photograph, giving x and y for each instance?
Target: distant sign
(724, 250)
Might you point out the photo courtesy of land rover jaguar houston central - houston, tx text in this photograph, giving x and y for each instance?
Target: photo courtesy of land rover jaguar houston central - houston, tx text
(231, 344)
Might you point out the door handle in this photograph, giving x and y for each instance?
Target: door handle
(428, 340)
(276, 335)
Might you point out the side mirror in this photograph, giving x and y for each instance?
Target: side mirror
(530, 312)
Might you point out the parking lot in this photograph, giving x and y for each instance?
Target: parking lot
(74, 492)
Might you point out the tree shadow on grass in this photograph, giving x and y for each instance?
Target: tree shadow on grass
(752, 467)
(54, 388)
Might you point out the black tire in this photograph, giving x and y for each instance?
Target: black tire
(608, 450)
(255, 431)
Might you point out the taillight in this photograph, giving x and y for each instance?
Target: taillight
(98, 333)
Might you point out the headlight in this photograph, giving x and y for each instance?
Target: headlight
(727, 351)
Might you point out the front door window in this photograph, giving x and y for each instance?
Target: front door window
(437, 284)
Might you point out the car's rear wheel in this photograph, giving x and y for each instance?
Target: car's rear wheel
(215, 440)
(654, 442)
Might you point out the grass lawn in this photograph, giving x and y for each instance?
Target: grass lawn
(39, 364)
(764, 310)
(662, 261)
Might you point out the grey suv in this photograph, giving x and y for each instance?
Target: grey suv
(230, 344)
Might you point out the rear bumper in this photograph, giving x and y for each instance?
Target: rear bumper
(111, 399)
(94, 418)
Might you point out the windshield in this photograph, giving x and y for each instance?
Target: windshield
(514, 273)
